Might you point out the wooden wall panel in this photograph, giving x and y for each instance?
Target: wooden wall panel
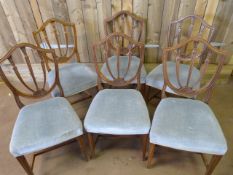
(104, 10)
(60, 9)
(20, 18)
(76, 16)
(91, 25)
(222, 18)
(170, 12)
(153, 32)
(186, 8)
(36, 12)
(7, 39)
(228, 40)
(116, 6)
(140, 8)
(127, 5)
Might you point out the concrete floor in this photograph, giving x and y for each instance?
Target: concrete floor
(121, 155)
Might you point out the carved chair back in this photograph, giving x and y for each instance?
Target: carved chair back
(32, 86)
(60, 36)
(187, 27)
(125, 22)
(184, 86)
(119, 72)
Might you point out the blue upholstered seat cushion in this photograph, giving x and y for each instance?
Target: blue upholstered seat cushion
(118, 112)
(188, 125)
(44, 124)
(74, 78)
(124, 60)
(155, 77)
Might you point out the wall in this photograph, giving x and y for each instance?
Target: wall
(19, 18)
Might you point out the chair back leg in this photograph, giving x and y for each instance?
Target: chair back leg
(82, 147)
(22, 160)
(213, 163)
(151, 154)
(144, 146)
(91, 144)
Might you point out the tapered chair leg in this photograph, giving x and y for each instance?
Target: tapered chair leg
(150, 154)
(147, 93)
(91, 144)
(213, 163)
(22, 160)
(144, 146)
(82, 147)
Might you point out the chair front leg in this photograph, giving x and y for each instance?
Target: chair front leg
(144, 146)
(22, 160)
(91, 143)
(82, 147)
(147, 93)
(213, 163)
(151, 154)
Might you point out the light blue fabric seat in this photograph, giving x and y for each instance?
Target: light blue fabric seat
(124, 60)
(74, 78)
(44, 124)
(188, 125)
(118, 112)
(155, 77)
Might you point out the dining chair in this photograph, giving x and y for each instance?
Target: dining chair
(118, 111)
(45, 124)
(75, 77)
(131, 25)
(188, 123)
(179, 31)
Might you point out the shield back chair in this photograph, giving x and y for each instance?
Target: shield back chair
(119, 111)
(131, 25)
(179, 31)
(189, 124)
(75, 77)
(44, 125)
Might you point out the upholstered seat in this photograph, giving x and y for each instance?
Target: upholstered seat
(188, 125)
(124, 60)
(155, 77)
(74, 78)
(44, 124)
(118, 112)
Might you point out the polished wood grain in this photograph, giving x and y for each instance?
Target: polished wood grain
(184, 28)
(64, 37)
(192, 91)
(112, 46)
(38, 91)
(191, 60)
(125, 22)
(61, 31)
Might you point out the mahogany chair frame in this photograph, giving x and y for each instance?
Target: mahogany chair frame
(62, 58)
(176, 35)
(186, 90)
(118, 81)
(37, 93)
(178, 32)
(136, 20)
